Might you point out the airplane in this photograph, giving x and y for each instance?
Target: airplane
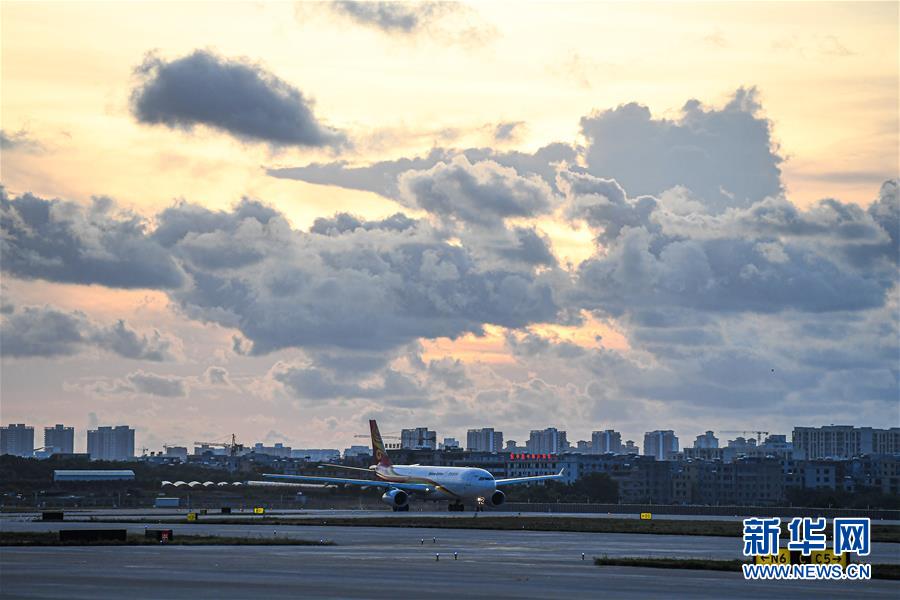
(459, 485)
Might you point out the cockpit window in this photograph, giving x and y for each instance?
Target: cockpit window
(484, 479)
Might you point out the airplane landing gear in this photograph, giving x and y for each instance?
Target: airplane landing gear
(456, 507)
(401, 508)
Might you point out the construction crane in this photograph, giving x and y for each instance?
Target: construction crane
(759, 434)
(233, 447)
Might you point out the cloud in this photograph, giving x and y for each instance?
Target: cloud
(21, 140)
(127, 343)
(157, 385)
(392, 17)
(342, 223)
(728, 296)
(70, 243)
(725, 274)
(388, 386)
(725, 156)
(41, 332)
(217, 376)
(383, 177)
(507, 131)
(234, 96)
(451, 372)
(47, 332)
(442, 21)
(348, 283)
(483, 194)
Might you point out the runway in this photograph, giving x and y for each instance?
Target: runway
(517, 544)
(387, 562)
(382, 567)
(164, 513)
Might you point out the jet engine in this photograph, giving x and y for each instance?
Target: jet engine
(498, 498)
(396, 498)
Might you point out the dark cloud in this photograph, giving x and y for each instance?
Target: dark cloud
(213, 240)
(507, 131)
(217, 376)
(312, 383)
(20, 140)
(642, 270)
(726, 156)
(602, 204)
(157, 385)
(451, 372)
(234, 96)
(382, 177)
(392, 17)
(346, 223)
(482, 194)
(363, 285)
(69, 243)
(48, 332)
(531, 344)
(127, 343)
(768, 257)
(41, 332)
(529, 247)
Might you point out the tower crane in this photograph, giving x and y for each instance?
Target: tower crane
(232, 447)
(759, 434)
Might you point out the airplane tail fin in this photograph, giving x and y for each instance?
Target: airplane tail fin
(378, 451)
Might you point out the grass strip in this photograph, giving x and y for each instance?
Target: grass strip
(9, 538)
(880, 533)
(879, 571)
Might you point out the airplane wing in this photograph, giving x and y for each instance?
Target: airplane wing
(344, 467)
(408, 487)
(515, 480)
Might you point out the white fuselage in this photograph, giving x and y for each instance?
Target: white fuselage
(450, 483)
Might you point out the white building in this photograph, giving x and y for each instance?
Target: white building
(662, 444)
(844, 441)
(420, 438)
(707, 440)
(604, 442)
(484, 440)
(547, 441)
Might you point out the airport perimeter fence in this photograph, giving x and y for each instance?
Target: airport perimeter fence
(785, 512)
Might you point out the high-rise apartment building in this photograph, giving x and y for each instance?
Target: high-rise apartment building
(661, 444)
(844, 441)
(605, 442)
(59, 439)
(547, 441)
(707, 440)
(484, 440)
(111, 443)
(17, 439)
(420, 438)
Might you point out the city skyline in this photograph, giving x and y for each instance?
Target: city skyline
(708, 439)
(298, 218)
